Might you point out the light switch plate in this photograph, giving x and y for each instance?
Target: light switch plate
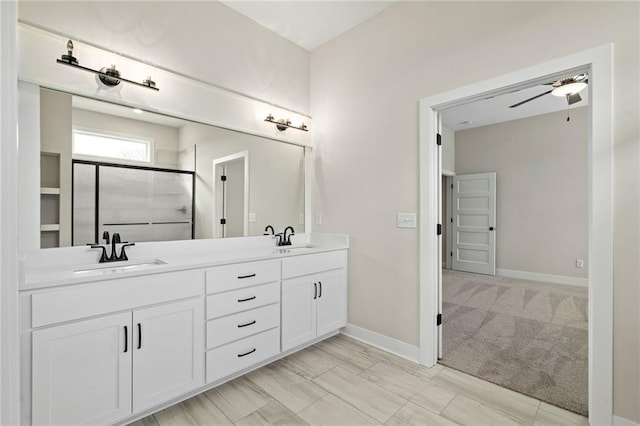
(252, 218)
(318, 218)
(406, 220)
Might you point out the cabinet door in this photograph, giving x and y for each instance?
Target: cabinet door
(298, 312)
(168, 352)
(332, 298)
(82, 372)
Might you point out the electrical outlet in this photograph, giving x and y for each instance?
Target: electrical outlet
(252, 218)
(406, 220)
(318, 218)
(579, 263)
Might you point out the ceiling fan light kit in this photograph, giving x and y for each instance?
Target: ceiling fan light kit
(565, 87)
(569, 89)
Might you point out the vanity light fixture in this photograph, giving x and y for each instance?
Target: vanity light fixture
(283, 124)
(109, 76)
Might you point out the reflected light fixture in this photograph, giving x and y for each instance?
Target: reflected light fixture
(109, 76)
(137, 110)
(283, 124)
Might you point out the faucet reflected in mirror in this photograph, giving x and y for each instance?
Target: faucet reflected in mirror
(114, 257)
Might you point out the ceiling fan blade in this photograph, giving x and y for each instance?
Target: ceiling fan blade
(572, 99)
(530, 99)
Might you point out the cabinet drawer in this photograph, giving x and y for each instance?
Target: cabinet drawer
(244, 353)
(86, 300)
(310, 264)
(239, 326)
(242, 275)
(244, 299)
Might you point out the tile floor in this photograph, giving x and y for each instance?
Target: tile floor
(342, 381)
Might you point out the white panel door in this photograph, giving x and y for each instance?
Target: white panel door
(474, 221)
(168, 352)
(299, 297)
(331, 310)
(82, 372)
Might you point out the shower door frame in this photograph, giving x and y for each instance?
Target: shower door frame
(98, 164)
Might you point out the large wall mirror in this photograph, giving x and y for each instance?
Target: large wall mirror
(151, 177)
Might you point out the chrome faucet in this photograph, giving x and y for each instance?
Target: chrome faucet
(286, 239)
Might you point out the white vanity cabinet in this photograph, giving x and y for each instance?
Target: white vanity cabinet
(314, 297)
(243, 316)
(82, 373)
(100, 370)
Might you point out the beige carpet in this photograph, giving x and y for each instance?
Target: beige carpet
(526, 336)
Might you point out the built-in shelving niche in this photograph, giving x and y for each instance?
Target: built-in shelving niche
(49, 200)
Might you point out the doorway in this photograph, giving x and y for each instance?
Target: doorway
(600, 268)
(231, 195)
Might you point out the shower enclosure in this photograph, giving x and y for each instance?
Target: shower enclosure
(140, 203)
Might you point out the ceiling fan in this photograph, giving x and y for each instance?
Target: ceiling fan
(567, 87)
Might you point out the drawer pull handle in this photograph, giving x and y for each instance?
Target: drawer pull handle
(315, 291)
(126, 340)
(139, 336)
(247, 299)
(247, 324)
(320, 292)
(241, 277)
(247, 353)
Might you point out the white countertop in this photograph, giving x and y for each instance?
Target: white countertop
(40, 272)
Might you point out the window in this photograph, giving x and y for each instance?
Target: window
(111, 146)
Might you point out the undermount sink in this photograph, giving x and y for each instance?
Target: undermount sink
(286, 249)
(301, 246)
(123, 267)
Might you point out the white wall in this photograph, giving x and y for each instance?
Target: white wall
(541, 189)
(205, 40)
(365, 87)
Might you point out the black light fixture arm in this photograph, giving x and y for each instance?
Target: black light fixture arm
(110, 76)
(283, 124)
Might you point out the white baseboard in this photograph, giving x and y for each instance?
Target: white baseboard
(380, 341)
(621, 421)
(545, 278)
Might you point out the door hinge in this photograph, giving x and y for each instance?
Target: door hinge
(439, 229)
(451, 253)
(451, 220)
(451, 186)
(438, 139)
(439, 319)
(223, 178)
(223, 221)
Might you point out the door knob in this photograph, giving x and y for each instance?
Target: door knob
(491, 228)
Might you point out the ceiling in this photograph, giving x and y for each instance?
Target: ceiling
(309, 23)
(108, 108)
(496, 109)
